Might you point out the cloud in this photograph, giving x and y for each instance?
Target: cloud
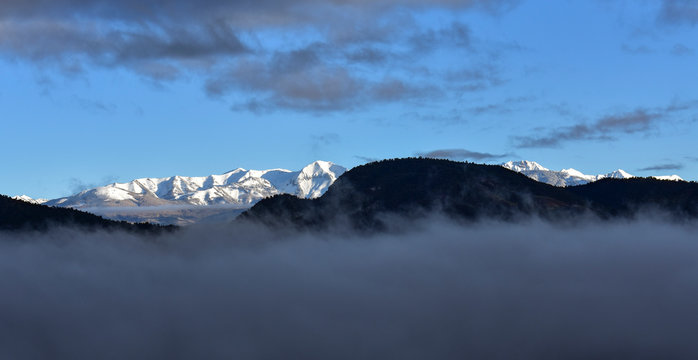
(77, 185)
(320, 141)
(636, 50)
(504, 107)
(681, 50)
(306, 80)
(678, 12)
(475, 78)
(91, 42)
(95, 106)
(366, 159)
(640, 120)
(531, 291)
(461, 154)
(672, 166)
(392, 89)
(322, 56)
(457, 34)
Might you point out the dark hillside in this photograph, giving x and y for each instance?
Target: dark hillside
(412, 188)
(624, 197)
(20, 215)
(415, 187)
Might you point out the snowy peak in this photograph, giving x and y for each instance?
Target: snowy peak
(618, 174)
(28, 199)
(236, 187)
(669, 177)
(314, 179)
(524, 165)
(568, 177)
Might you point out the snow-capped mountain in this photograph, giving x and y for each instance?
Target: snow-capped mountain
(568, 177)
(28, 199)
(237, 187)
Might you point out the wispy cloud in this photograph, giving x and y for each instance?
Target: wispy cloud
(366, 159)
(681, 50)
(636, 50)
(461, 154)
(640, 120)
(504, 107)
(319, 141)
(77, 185)
(659, 167)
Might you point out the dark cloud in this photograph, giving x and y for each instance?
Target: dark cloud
(641, 120)
(304, 80)
(138, 46)
(224, 42)
(396, 89)
(679, 12)
(487, 291)
(265, 12)
(461, 154)
(660, 167)
(290, 84)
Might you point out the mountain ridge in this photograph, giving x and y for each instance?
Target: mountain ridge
(236, 187)
(415, 188)
(20, 215)
(569, 177)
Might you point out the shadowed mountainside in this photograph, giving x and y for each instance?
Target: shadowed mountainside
(20, 215)
(412, 188)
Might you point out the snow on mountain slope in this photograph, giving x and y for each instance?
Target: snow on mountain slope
(668, 177)
(568, 177)
(28, 199)
(237, 187)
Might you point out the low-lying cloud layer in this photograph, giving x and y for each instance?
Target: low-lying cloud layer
(442, 291)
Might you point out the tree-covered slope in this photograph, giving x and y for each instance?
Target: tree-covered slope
(20, 215)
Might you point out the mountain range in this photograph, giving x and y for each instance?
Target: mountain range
(236, 187)
(378, 195)
(184, 200)
(569, 177)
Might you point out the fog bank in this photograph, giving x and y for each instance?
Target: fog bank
(497, 291)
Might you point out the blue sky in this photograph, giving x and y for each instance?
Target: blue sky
(96, 91)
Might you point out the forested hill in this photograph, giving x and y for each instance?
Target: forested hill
(20, 215)
(415, 187)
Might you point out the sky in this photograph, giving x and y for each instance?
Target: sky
(97, 91)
